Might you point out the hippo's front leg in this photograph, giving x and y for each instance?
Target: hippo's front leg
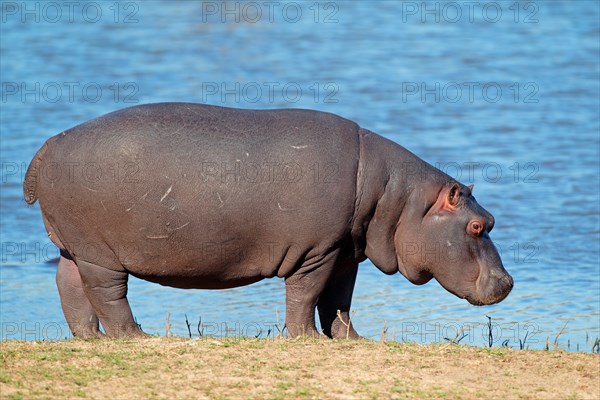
(107, 290)
(334, 303)
(302, 292)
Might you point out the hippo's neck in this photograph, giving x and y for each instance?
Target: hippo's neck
(389, 179)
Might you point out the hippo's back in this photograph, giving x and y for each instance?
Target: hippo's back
(151, 187)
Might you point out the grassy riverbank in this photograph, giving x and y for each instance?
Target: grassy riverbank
(169, 368)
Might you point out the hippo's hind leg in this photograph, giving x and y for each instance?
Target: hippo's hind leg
(107, 291)
(334, 303)
(78, 310)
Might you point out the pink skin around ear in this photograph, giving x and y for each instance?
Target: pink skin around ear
(446, 201)
(450, 198)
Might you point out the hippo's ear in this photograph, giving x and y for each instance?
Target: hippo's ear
(452, 197)
(471, 187)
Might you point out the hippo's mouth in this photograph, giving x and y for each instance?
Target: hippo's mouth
(477, 302)
(500, 290)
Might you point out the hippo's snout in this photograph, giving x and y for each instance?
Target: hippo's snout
(491, 288)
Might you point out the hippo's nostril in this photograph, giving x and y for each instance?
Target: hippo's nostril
(507, 286)
(509, 281)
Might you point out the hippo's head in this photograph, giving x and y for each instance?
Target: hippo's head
(445, 235)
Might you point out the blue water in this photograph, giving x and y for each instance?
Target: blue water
(507, 101)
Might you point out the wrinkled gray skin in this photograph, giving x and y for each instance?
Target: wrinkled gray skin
(195, 196)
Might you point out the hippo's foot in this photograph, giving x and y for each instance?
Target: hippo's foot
(341, 327)
(106, 290)
(298, 330)
(334, 303)
(78, 310)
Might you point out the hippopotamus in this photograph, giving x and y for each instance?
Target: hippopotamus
(197, 196)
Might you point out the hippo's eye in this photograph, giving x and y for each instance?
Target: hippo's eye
(475, 228)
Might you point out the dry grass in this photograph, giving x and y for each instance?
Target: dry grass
(168, 368)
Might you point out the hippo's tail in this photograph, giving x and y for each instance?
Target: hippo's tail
(30, 190)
